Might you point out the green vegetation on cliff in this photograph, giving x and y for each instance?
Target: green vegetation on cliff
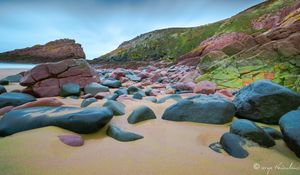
(169, 44)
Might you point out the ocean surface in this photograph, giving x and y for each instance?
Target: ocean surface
(15, 66)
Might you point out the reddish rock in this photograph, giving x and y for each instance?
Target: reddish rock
(190, 76)
(184, 86)
(51, 52)
(154, 92)
(123, 79)
(205, 87)
(226, 92)
(41, 102)
(5, 109)
(117, 74)
(101, 95)
(71, 140)
(86, 96)
(51, 76)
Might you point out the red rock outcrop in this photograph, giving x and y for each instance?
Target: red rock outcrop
(51, 52)
(46, 79)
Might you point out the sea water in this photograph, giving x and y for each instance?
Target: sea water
(15, 66)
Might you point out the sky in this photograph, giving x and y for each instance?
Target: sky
(102, 25)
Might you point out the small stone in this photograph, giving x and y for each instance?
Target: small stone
(141, 113)
(71, 140)
(121, 135)
(232, 144)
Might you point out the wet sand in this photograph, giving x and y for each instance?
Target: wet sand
(168, 148)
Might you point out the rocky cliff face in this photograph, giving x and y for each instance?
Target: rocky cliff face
(171, 44)
(51, 52)
(261, 42)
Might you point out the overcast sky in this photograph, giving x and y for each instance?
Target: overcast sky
(101, 25)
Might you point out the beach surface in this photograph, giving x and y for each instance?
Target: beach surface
(168, 148)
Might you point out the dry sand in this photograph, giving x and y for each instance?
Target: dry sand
(168, 148)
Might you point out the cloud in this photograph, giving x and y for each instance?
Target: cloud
(101, 25)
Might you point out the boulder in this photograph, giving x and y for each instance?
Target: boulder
(205, 87)
(140, 114)
(87, 102)
(15, 99)
(47, 79)
(117, 108)
(2, 89)
(70, 89)
(71, 140)
(248, 129)
(265, 101)
(232, 144)
(111, 83)
(94, 88)
(76, 119)
(211, 109)
(290, 128)
(121, 135)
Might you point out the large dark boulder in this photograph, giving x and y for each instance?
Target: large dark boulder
(15, 99)
(265, 101)
(121, 135)
(251, 131)
(232, 144)
(79, 120)
(141, 113)
(290, 128)
(212, 109)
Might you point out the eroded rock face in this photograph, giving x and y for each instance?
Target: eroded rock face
(51, 52)
(47, 79)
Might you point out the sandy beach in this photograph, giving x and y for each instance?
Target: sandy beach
(173, 148)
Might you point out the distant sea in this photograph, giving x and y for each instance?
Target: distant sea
(15, 66)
